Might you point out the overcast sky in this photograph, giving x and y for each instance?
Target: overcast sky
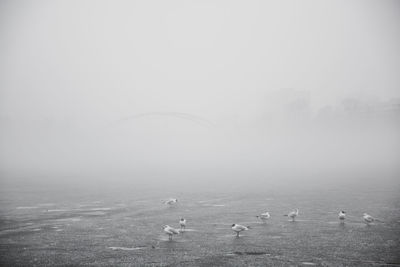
(70, 69)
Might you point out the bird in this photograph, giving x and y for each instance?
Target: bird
(369, 219)
(171, 201)
(264, 216)
(239, 228)
(293, 214)
(170, 231)
(342, 216)
(182, 223)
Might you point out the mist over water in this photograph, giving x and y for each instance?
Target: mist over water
(167, 149)
(159, 94)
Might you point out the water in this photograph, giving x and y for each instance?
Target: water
(123, 226)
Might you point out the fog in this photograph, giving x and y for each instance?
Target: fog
(200, 93)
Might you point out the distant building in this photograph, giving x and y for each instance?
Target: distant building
(289, 105)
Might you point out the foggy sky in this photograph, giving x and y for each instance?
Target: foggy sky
(160, 87)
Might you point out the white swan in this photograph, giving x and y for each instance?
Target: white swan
(264, 216)
(239, 228)
(170, 231)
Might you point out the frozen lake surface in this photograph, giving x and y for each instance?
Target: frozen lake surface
(76, 226)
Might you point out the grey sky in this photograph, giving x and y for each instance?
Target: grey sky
(70, 68)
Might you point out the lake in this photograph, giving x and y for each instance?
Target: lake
(103, 226)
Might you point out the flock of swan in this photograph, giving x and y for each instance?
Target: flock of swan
(237, 228)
